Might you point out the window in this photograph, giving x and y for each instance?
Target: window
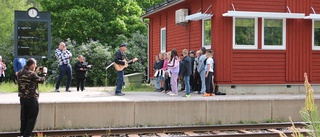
(163, 40)
(273, 34)
(245, 33)
(206, 33)
(316, 35)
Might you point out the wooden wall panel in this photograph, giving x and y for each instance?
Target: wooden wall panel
(222, 41)
(315, 5)
(155, 36)
(298, 42)
(195, 27)
(263, 67)
(260, 5)
(315, 67)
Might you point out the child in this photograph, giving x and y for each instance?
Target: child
(201, 69)
(186, 71)
(209, 74)
(157, 67)
(174, 69)
(81, 68)
(161, 58)
(197, 79)
(167, 86)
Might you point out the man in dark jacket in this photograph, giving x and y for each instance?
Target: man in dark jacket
(28, 80)
(186, 71)
(192, 81)
(81, 69)
(120, 58)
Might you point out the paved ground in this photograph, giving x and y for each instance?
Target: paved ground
(107, 95)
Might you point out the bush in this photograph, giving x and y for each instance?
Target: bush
(97, 54)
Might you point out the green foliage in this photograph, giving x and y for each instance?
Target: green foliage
(145, 4)
(311, 116)
(244, 29)
(142, 88)
(7, 18)
(207, 32)
(273, 31)
(317, 33)
(103, 20)
(88, 25)
(10, 87)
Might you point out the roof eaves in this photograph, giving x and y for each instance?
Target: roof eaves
(160, 7)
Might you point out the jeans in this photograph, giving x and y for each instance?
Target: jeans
(187, 83)
(119, 82)
(80, 83)
(28, 115)
(158, 79)
(64, 70)
(209, 83)
(203, 81)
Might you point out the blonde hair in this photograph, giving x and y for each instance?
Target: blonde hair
(185, 51)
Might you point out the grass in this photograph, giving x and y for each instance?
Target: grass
(10, 87)
(142, 88)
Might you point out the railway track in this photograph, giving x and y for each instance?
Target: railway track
(238, 130)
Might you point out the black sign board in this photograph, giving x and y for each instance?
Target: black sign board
(32, 34)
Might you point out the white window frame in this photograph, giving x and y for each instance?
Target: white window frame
(275, 47)
(203, 31)
(161, 44)
(255, 46)
(314, 47)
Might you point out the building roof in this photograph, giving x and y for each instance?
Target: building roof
(161, 6)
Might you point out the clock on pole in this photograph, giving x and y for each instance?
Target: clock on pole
(32, 12)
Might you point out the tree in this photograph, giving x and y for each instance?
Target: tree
(145, 4)
(103, 20)
(7, 18)
(7, 30)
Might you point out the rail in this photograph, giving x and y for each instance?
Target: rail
(269, 130)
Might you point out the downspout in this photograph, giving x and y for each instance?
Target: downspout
(148, 71)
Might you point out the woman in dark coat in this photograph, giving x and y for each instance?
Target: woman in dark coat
(81, 69)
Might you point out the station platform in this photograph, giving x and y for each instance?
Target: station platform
(101, 109)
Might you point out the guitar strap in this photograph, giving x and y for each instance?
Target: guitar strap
(123, 56)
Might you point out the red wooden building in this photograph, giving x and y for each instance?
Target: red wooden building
(254, 41)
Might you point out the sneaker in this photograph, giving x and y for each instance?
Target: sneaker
(120, 94)
(187, 95)
(57, 90)
(163, 91)
(206, 95)
(211, 94)
(173, 94)
(195, 92)
(68, 90)
(169, 93)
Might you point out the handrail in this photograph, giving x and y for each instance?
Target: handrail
(109, 66)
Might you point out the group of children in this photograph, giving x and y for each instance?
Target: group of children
(195, 70)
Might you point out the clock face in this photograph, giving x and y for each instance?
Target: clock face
(33, 12)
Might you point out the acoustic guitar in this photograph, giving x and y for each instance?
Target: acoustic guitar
(119, 67)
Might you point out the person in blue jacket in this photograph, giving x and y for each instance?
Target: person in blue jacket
(18, 64)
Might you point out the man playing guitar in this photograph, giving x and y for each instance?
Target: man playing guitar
(120, 60)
